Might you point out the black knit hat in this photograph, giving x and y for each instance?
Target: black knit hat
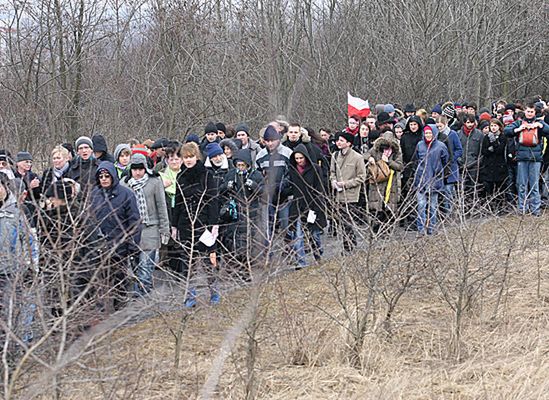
(210, 128)
(221, 127)
(5, 156)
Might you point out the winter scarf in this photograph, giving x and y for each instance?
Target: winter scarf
(58, 173)
(137, 185)
(468, 131)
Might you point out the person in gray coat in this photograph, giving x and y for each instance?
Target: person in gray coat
(471, 140)
(151, 201)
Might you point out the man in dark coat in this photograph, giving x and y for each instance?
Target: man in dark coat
(117, 214)
(84, 165)
(307, 211)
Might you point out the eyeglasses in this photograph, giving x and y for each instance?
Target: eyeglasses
(104, 176)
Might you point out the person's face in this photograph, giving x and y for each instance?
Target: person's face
(414, 127)
(105, 180)
(272, 144)
(217, 160)
(4, 164)
(371, 123)
(243, 137)
(228, 152)
(84, 151)
(471, 111)
(24, 165)
(494, 128)
(211, 136)
(530, 113)
(398, 132)
(242, 166)
(353, 124)
(486, 130)
(428, 135)
(124, 159)
(391, 114)
(190, 161)
(300, 159)
(161, 152)
(58, 161)
(434, 115)
(441, 126)
(174, 162)
(221, 134)
(408, 114)
(294, 133)
(138, 173)
(324, 135)
(364, 130)
(469, 124)
(342, 144)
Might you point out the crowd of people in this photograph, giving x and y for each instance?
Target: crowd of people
(220, 201)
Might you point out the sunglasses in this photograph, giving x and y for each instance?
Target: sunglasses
(104, 176)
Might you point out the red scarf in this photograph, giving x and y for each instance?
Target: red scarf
(301, 169)
(468, 131)
(353, 132)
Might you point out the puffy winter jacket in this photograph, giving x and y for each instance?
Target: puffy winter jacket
(431, 161)
(525, 153)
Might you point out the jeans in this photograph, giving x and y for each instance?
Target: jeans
(145, 268)
(448, 197)
(298, 237)
(427, 218)
(529, 198)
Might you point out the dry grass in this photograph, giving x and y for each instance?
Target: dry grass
(302, 343)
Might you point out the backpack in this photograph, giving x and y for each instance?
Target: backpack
(528, 136)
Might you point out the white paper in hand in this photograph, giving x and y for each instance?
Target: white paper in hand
(207, 238)
(311, 217)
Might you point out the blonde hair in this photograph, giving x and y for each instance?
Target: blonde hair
(190, 149)
(60, 150)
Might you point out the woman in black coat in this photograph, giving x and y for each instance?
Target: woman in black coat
(493, 169)
(307, 210)
(195, 218)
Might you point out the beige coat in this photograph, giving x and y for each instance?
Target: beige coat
(351, 170)
(377, 191)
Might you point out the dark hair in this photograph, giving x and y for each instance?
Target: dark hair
(315, 137)
(530, 105)
(294, 124)
(355, 117)
(472, 105)
(229, 132)
(171, 151)
(328, 131)
(469, 118)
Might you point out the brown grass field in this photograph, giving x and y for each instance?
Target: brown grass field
(301, 338)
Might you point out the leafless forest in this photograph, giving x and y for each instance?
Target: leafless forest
(133, 68)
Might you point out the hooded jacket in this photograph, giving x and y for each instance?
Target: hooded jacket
(100, 146)
(116, 212)
(275, 166)
(408, 144)
(455, 152)
(472, 152)
(308, 190)
(431, 161)
(377, 192)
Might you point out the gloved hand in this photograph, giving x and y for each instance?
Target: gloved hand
(164, 239)
(230, 184)
(492, 137)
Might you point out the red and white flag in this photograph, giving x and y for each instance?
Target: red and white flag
(357, 106)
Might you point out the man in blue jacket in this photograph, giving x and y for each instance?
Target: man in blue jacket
(432, 158)
(528, 133)
(116, 211)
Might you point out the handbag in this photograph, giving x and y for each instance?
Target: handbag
(379, 172)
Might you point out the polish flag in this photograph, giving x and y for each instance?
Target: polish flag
(357, 106)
